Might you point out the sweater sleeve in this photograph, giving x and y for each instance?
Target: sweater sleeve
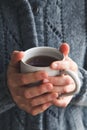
(6, 102)
(81, 98)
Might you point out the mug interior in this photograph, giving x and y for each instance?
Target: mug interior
(42, 51)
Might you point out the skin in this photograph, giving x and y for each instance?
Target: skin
(37, 99)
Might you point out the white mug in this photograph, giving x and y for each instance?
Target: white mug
(50, 52)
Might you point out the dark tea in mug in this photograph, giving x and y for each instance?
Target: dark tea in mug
(41, 61)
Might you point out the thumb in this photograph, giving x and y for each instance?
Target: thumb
(65, 49)
(16, 57)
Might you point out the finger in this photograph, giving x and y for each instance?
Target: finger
(23, 104)
(43, 99)
(19, 100)
(28, 78)
(62, 102)
(60, 65)
(26, 106)
(60, 80)
(40, 109)
(63, 89)
(37, 91)
(65, 49)
(16, 57)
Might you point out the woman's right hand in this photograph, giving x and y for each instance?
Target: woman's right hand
(33, 100)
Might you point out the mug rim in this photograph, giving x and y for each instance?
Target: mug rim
(41, 47)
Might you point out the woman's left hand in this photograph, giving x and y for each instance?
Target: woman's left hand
(63, 83)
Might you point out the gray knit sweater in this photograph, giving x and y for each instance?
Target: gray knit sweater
(28, 23)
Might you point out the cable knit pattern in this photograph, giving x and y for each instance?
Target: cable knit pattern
(28, 23)
(53, 23)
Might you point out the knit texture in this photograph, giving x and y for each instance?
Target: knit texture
(28, 23)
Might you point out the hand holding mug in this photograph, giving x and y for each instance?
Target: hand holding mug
(64, 84)
(33, 100)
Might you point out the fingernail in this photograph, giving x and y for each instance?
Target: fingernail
(55, 66)
(55, 95)
(45, 81)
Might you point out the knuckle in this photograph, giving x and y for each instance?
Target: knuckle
(46, 87)
(43, 89)
(64, 104)
(40, 75)
(26, 94)
(32, 103)
(22, 79)
(68, 80)
(75, 66)
(22, 105)
(33, 112)
(43, 107)
(40, 90)
(66, 90)
(36, 76)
